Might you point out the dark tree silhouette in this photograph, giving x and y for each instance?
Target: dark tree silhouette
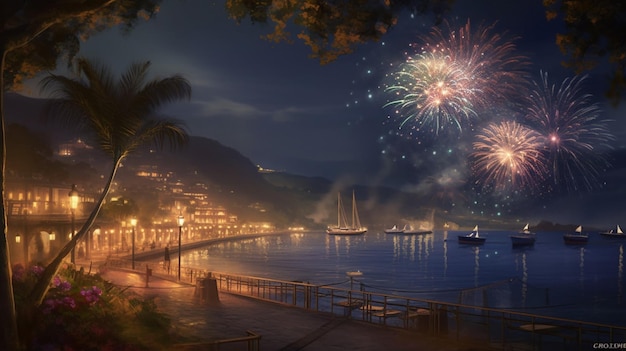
(594, 32)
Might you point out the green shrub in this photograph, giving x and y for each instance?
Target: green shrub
(84, 312)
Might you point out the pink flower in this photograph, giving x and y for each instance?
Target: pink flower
(49, 305)
(92, 295)
(18, 272)
(69, 301)
(37, 270)
(62, 285)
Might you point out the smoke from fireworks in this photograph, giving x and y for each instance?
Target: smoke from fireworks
(453, 76)
(508, 155)
(575, 136)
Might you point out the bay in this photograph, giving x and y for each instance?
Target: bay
(550, 278)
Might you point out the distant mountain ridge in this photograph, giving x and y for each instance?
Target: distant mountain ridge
(29, 112)
(234, 180)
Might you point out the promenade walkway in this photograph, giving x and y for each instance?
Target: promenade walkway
(283, 328)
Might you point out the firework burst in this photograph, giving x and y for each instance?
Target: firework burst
(454, 75)
(489, 60)
(508, 155)
(576, 139)
(433, 91)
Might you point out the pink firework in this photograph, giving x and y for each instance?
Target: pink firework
(576, 138)
(455, 75)
(489, 59)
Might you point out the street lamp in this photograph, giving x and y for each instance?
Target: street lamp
(181, 221)
(73, 194)
(133, 224)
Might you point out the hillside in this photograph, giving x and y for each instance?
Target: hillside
(233, 180)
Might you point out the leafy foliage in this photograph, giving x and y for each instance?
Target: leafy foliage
(594, 31)
(38, 33)
(332, 28)
(119, 114)
(594, 28)
(84, 312)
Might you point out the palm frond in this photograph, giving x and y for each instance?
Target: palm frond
(118, 113)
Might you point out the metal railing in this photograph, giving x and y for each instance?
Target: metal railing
(252, 342)
(498, 328)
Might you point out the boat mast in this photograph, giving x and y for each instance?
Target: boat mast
(356, 222)
(338, 210)
(353, 210)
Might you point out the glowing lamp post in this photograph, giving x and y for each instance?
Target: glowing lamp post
(73, 194)
(133, 224)
(181, 221)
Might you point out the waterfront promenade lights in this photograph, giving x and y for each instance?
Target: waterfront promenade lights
(133, 224)
(73, 194)
(181, 221)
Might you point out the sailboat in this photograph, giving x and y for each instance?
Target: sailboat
(576, 238)
(343, 228)
(524, 237)
(617, 233)
(472, 238)
(394, 230)
(408, 229)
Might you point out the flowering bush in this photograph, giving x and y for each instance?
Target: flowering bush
(85, 312)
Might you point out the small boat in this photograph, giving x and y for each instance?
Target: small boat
(524, 237)
(577, 238)
(614, 234)
(408, 229)
(472, 238)
(394, 230)
(343, 228)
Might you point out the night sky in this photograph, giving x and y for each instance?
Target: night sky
(285, 111)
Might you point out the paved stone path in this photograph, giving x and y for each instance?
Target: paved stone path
(282, 328)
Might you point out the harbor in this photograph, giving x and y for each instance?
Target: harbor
(472, 317)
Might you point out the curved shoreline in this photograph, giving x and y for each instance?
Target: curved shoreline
(158, 252)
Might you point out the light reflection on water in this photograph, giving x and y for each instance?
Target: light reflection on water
(549, 278)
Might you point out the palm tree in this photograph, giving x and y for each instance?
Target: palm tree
(120, 115)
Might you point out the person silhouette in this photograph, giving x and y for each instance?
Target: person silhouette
(166, 261)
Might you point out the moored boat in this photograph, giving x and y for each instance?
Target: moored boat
(408, 229)
(473, 238)
(614, 234)
(524, 237)
(342, 227)
(394, 230)
(576, 238)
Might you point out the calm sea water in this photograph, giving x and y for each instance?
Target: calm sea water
(551, 278)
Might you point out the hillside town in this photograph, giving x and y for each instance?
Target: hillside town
(42, 215)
